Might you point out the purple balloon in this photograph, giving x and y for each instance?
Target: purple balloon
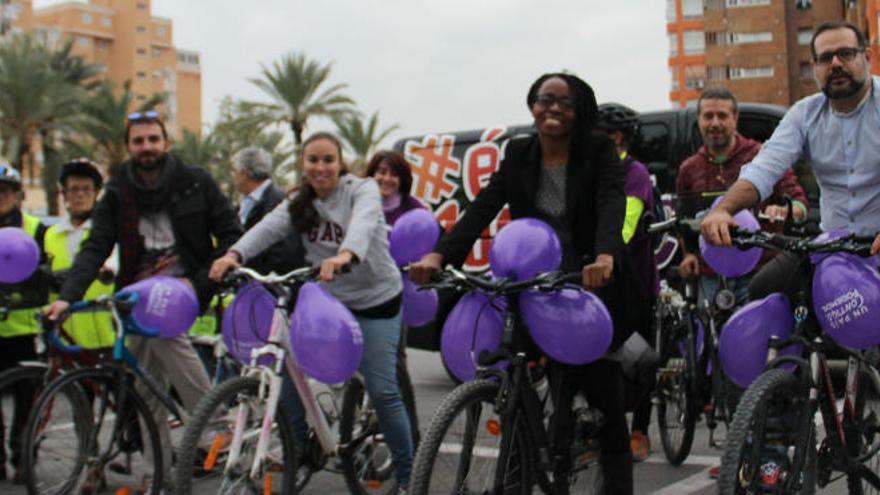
(326, 338)
(247, 321)
(743, 346)
(524, 248)
(19, 255)
(846, 299)
(571, 325)
(475, 324)
(824, 237)
(419, 306)
(413, 236)
(732, 261)
(166, 303)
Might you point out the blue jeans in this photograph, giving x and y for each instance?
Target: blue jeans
(381, 337)
(710, 285)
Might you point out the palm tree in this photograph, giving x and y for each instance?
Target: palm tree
(361, 139)
(40, 92)
(297, 88)
(103, 119)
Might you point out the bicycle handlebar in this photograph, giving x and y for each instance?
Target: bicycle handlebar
(463, 281)
(854, 244)
(237, 276)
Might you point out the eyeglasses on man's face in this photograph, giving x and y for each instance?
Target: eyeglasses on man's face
(845, 55)
(547, 101)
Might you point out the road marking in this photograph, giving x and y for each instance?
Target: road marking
(455, 448)
(691, 484)
(692, 460)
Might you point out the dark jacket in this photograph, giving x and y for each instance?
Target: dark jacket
(203, 220)
(595, 201)
(595, 205)
(286, 254)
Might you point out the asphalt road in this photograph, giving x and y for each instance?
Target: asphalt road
(652, 476)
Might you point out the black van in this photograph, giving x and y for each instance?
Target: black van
(450, 168)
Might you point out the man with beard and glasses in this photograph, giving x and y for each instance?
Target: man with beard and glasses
(171, 219)
(838, 130)
(713, 169)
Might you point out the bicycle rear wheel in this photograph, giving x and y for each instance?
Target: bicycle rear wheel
(88, 432)
(203, 457)
(676, 395)
(764, 438)
(462, 448)
(19, 389)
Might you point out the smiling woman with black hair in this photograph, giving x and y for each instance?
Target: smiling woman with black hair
(568, 176)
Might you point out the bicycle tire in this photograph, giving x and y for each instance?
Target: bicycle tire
(474, 398)
(676, 391)
(103, 428)
(21, 383)
(867, 426)
(204, 429)
(780, 392)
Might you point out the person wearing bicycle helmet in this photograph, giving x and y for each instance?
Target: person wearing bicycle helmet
(340, 221)
(18, 327)
(81, 182)
(621, 123)
(569, 176)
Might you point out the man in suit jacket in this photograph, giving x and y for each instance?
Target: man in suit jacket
(252, 172)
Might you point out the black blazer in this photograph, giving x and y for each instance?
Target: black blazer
(284, 255)
(594, 195)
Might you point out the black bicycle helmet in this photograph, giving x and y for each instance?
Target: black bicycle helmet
(10, 175)
(614, 117)
(81, 167)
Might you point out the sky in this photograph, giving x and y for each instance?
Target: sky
(430, 65)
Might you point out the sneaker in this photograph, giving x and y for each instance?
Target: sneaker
(714, 471)
(640, 445)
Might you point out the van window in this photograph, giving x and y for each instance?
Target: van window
(651, 147)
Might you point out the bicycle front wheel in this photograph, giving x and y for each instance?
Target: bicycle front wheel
(765, 437)
(204, 458)
(91, 432)
(462, 448)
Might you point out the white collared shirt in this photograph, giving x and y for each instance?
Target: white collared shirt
(248, 201)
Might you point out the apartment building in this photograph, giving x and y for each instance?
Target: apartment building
(128, 43)
(759, 49)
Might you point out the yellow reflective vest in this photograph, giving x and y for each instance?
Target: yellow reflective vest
(89, 329)
(206, 323)
(22, 321)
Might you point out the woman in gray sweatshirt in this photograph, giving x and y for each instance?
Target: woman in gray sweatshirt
(340, 220)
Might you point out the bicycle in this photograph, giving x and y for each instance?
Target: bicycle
(490, 434)
(772, 444)
(248, 439)
(90, 429)
(690, 379)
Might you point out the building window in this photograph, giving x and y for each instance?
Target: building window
(716, 38)
(692, 9)
(160, 31)
(806, 70)
(83, 41)
(141, 98)
(141, 74)
(673, 76)
(695, 76)
(746, 3)
(805, 36)
(157, 74)
(86, 18)
(717, 73)
(694, 42)
(101, 68)
(102, 45)
(141, 51)
(670, 11)
(740, 38)
(673, 44)
(750, 72)
(142, 6)
(106, 21)
(157, 52)
(141, 29)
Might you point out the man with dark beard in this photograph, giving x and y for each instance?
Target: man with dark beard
(166, 217)
(838, 130)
